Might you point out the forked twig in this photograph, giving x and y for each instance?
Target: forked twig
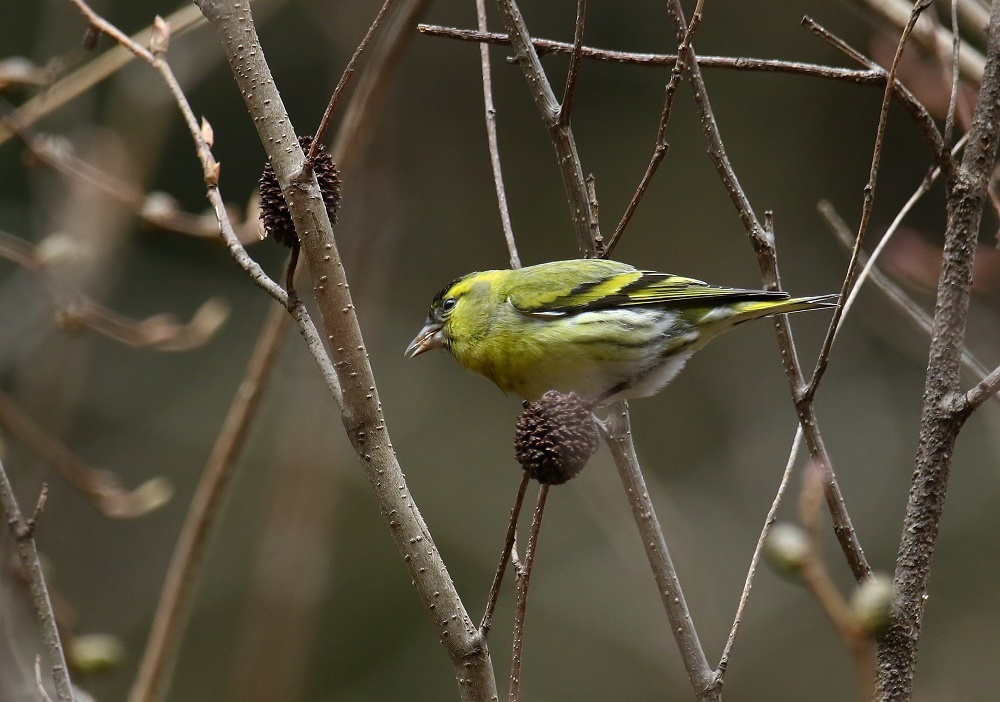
(793, 455)
(660, 147)
(823, 358)
(581, 206)
(566, 107)
(345, 77)
(28, 554)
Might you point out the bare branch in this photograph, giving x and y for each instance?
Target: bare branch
(344, 78)
(584, 221)
(521, 597)
(660, 147)
(566, 107)
(505, 556)
(93, 72)
(39, 591)
(793, 455)
(705, 682)
(762, 240)
(361, 411)
(984, 390)
(944, 409)
(822, 360)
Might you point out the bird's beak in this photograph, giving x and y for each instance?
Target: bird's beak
(430, 337)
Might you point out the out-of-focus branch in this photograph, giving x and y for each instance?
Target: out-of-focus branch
(102, 488)
(85, 77)
(158, 209)
(23, 534)
(817, 579)
(176, 599)
(929, 35)
(160, 332)
(944, 408)
(361, 411)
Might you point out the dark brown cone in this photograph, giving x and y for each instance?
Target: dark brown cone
(273, 209)
(555, 437)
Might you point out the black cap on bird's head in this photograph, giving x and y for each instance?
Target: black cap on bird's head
(432, 335)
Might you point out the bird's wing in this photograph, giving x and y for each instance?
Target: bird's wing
(625, 288)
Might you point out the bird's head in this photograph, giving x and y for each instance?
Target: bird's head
(460, 311)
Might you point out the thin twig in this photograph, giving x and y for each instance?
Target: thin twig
(508, 547)
(763, 242)
(793, 455)
(874, 75)
(82, 79)
(572, 74)
(32, 567)
(368, 97)
(660, 147)
(868, 203)
(870, 271)
(156, 209)
(521, 598)
(491, 139)
(956, 46)
(896, 295)
(344, 78)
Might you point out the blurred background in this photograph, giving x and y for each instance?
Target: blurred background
(303, 595)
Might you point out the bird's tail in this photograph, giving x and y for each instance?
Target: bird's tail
(755, 309)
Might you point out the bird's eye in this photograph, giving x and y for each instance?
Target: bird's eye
(448, 305)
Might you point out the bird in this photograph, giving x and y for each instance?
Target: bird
(598, 328)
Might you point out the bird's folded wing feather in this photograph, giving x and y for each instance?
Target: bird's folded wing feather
(627, 288)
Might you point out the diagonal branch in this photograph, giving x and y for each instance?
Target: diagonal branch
(360, 407)
(581, 207)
